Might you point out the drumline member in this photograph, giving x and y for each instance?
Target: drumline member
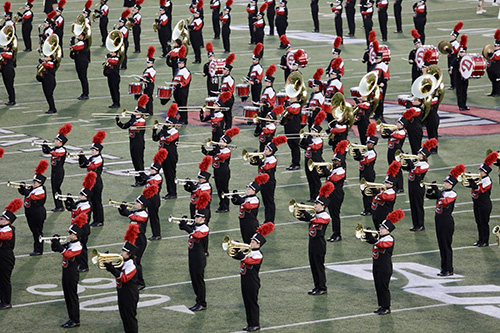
(396, 139)
(453, 51)
(34, 209)
(102, 15)
(135, 127)
(80, 52)
(167, 138)
(252, 14)
(383, 202)
(216, 116)
(197, 247)
(291, 122)
(155, 178)
(281, 22)
(268, 128)
(124, 30)
(57, 159)
(228, 85)
(384, 76)
(412, 59)
(195, 32)
(27, 24)
(148, 78)
(420, 18)
(461, 84)
(7, 258)
(181, 83)
(249, 272)
(493, 69)
(270, 13)
(334, 63)
(372, 36)
(59, 20)
(136, 25)
(112, 71)
(382, 250)
(258, 27)
(225, 22)
(164, 27)
(367, 15)
(337, 16)
(285, 44)
(221, 156)
(212, 81)
(215, 7)
(382, 17)
(249, 207)
(337, 178)
(315, 102)
(367, 165)
(96, 164)
(445, 225)
(202, 186)
(255, 74)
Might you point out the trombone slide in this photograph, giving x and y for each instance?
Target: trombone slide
(64, 197)
(117, 204)
(231, 194)
(48, 240)
(178, 220)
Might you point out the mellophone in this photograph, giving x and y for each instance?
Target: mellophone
(178, 220)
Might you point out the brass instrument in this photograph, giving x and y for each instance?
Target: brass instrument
(155, 24)
(124, 114)
(39, 143)
(8, 36)
(51, 47)
(209, 144)
(351, 147)
(178, 220)
(295, 87)
(231, 194)
(496, 232)
(114, 43)
(360, 233)
(342, 110)
(384, 128)
(404, 158)
(368, 87)
(48, 240)
(100, 259)
(443, 46)
(157, 125)
(94, 13)
(465, 177)
(370, 189)
(16, 185)
(429, 185)
(245, 155)
(311, 165)
(182, 181)
(303, 134)
(181, 31)
(232, 247)
(78, 154)
(16, 18)
(82, 27)
(64, 197)
(204, 107)
(436, 71)
(488, 51)
(256, 118)
(129, 25)
(136, 173)
(423, 88)
(40, 39)
(117, 204)
(295, 208)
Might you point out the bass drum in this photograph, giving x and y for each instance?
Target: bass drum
(216, 67)
(472, 66)
(290, 60)
(419, 55)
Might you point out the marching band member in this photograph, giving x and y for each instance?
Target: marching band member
(249, 272)
(367, 14)
(372, 36)
(181, 83)
(126, 280)
(148, 78)
(167, 138)
(382, 250)
(291, 122)
(281, 22)
(80, 52)
(95, 163)
(173, 56)
(453, 51)
(339, 129)
(413, 126)
(336, 64)
(397, 15)
(285, 44)
(48, 79)
(461, 84)
(49, 5)
(196, 32)
(249, 207)
(382, 17)
(317, 245)
(228, 85)
(315, 103)
(163, 26)
(215, 7)
(7, 258)
(420, 17)
(59, 21)
(367, 165)
(258, 27)
(225, 22)
(362, 116)
(112, 71)
(412, 59)
(212, 81)
(255, 73)
(481, 200)
(350, 12)
(333, 85)
(48, 26)
(396, 139)
(86, 11)
(267, 99)
(314, 13)
(493, 69)
(34, 206)
(102, 14)
(155, 178)
(216, 116)
(268, 128)
(383, 202)
(337, 17)
(252, 14)
(70, 252)
(384, 76)
(136, 131)
(8, 15)
(270, 13)
(416, 192)
(202, 186)
(124, 30)
(197, 247)
(27, 24)
(7, 64)
(136, 20)
(57, 159)
(337, 178)
(82, 206)
(445, 225)
(221, 156)
(313, 146)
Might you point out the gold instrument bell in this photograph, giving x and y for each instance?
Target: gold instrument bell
(7, 36)
(424, 86)
(100, 259)
(295, 208)
(360, 233)
(181, 31)
(232, 247)
(294, 87)
(80, 26)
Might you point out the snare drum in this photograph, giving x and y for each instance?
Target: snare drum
(281, 98)
(210, 101)
(164, 92)
(216, 67)
(302, 60)
(402, 99)
(135, 88)
(386, 54)
(303, 118)
(419, 55)
(249, 112)
(472, 66)
(242, 91)
(355, 92)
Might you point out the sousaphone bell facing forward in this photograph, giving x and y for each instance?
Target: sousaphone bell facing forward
(50, 47)
(114, 43)
(7, 37)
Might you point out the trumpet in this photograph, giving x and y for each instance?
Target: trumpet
(78, 154)
(136, 173)
(384, 128)
(353, 146)
(209, 144)
(465, 177)
(245, 155)
(124, 114)
(404, 158)
(295, 208)
(101, 259)
(179, 219)
(39, 143)
(16, 185)
(429, 185)
(48, 240)
(360, 233)
(496, 232)
(117, 204)
(182, 181)
(256, 119)
(311, 165)
(369, 189)
(232, 247)
(64, 197)
(230, 195)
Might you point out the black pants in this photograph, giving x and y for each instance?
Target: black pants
(8, 75)
(267, 192)
(379, 111)
(124, 63)
(56, 180)
(228, 115)
(368, 26)
(197, 263)
(397, 15)
(70, 286)
(26, 30)
(432, 123)
(314, 13)
(221, 178)
(362, 124)
(154, 217)
(216, 23)
(128, 297)
(293, 144)
(164, 40)
(420, 26)
(416, 195)
(461, 89)
(35, 222)
(382, 277)
(250, 285)
(136, 31)
(48, 86)
(495, 80)
(482, 213)
(390, 158)
(83, 259)
(444, 232)
(103, 27)
(225, 39)
(170, 171)
(317, 251)
(256, 89)
(338, 26)
(313, 180)
(414, 130)
(6, 267)
(141, 243)
(81, 69)
(96, 201)
(334, 209)
(250, 28)
(137, 154)
(350, 12)
(281, 26)
(270, 21)
(382, 21)
(114, 87)
(367, 203)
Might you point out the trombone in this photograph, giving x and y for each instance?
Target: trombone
(360, 233)
(136, 173)
(351, 147)
(231, 194)
(404, 158)
(182, 181)
(178, 220)
(429, 185)
(48, 240)
(209, 144)
(311, 165)
(157, 125)
(203, 108)
(124, 113)
(78, 154)
(101, 259)
(496, 232)
(295, 208)
(16, 185)
(245, 155)
(232, 247)
(370, 189)
(465, 177)
(117, 204)
(384, 128)
(39, 143)
(64, 197)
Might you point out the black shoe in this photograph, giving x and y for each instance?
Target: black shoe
(154, 238)
(96, 224)
(70, 324)
(450, 88)
(141, 286)
(252, 328)
(221, 211)
(123, 68)
(399, 190)
(216, 37)
(114, 106)
(27, 50)
(103, 45)
(493, 95)
(398, 32)
(10, 103)
(196, 62)
(293, 167)
(315, 31)
(51, 111)
(467, 108)
(317, 292)
(137, 51)
(169, 196)
(227, 51)
(445, 273)
(378, 310)
(4, 306)
(310, 292)
(198, 307)
(384, 39)
(382, 311)
(83, 270)
(334, 239)
(34, 254)
(348, 35)
(163, 56)
(83, 97)
(417, 228)
(136, 185)
(57, 209)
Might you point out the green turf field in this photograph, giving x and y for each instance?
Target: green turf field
(467, 301)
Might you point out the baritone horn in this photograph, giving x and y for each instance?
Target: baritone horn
(101, 259)
(370, 189)
(48, 240)
(360, 233)
(117, 204)
(295, 208)
(232, 194)
(384, 128)
(64, 197)
(311, 165)
(351, 147)
(404, 158)
(342, 110)
(496, 232)
(178, 220)
(232, 247)
(245, 155)
(465, 177)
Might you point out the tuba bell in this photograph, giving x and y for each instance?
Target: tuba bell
(50, 45)
(181, 32)
(114, 43)
(8, 37)
(232, 247)
(368, 87)
(436, 71)
(342, 111)
(424, 86)
(295, 208)
(82, 27)
(294, 87)
(100, 259)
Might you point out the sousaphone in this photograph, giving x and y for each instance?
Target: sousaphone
(423, 88)
(181, 32)
(7, 36)
(368, 86)
(114, 43)
(51, 47)
(80, 26)
(294, 87)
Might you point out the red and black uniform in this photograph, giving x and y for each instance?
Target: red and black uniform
(258, 31)
(395, 143)
(228, 84)
(384, 76)
(172, 57)
(266, 134)
(148, 77)
(95, 164)
(182, 81)
(267, 189)
(196, 37)
(164, 32)
(339, 130)
(81, 54)
(57, 159)
(482, 208)
(362, 120)
(337, 14)
(154, 207)
(216, 119)
(415, 70)
(59, 28)
(420, 18)
(382, 267)
(34, 201)
(268, 98)
(252, 14)
(225, 20)
(255, 74)
(416, 192)
(314, 105)
(7, 262)
(27, 27)
(250, 285)
(124, 30)
(367, 15)
(350, 12)
(382, 17)
(8, 74)
(382, 204)
(415, 132)
(102, 13)
(281, 20)
(313, 147)
(270, 13)
(196, 190)
(452, 55)
(367, 171)
(337, 177)
(493, 71)
(284, 65)
(341, 71)
(136, 141)
(432, 120)
(212, 81)
(314, 14)
(249, 208)
(461, 84)
(77, 208)
(215, 7)
(48, 79)
(222, 173)
(112, 72)
(136, 20)
(292, 128)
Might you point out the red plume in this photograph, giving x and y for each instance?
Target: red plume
(341, 147)
(151, 51)
(372, 36)
(497, 34)
(61, 3)
(132, 233)
(458, 26)
(229, 3)
(6, 6)
(279, 140)
(463, 41)
(14, 205)
(2, 151)
(150, 191)
(395, 216)
(394, 168)
(278, 109)
(51, 15)
(372, 129)
(326, 190)
(65, 129)
(203, 201)
(271, 70)
(230, 58)
(81, 219)
(139, 2)
(31, 1)
(318, 74)
(336, 63)
(205, 163)
(263, 7)
(337, 42)
(125, 13)
(225, 96)
(297, 55)
(258, 49)
(99, 137)
(284, 40)
(163, 3)
(491, 158)
(88, 4)
(266, 228)
(182, 52)
(415, 34)
(320, 117)
(232, 132)
(427, 56)
(458, 170)
(160, 156)
(42, 167)
(409, 114)
(327, 108)
(172, 110)
(143, 100)
(431, 143)
(375, 46)
(199, 5)
(89, 180)
(209, 47)
(262, 178)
